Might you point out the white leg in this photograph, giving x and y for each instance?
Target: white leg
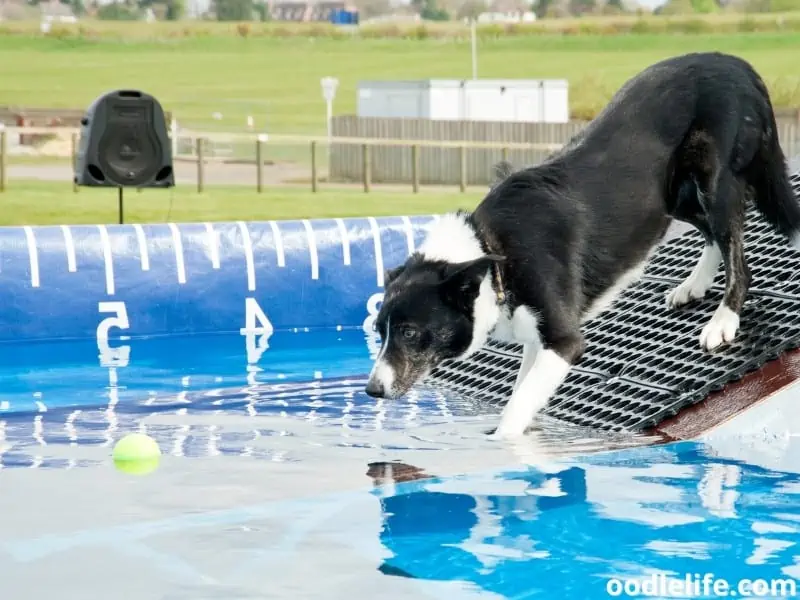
(537, 386)
(699, 280)
(721, 328)
(528, 355)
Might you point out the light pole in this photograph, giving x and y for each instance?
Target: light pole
(474, 40)
(329, 85)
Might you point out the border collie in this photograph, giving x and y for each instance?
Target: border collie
(690, 138)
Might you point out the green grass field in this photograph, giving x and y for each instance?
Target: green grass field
(44, 203)
(273, 72)
(276, 80)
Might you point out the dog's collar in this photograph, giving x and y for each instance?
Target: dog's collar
(499, 289)
(499, 292)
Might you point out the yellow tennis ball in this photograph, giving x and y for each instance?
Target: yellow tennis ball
(136, 454)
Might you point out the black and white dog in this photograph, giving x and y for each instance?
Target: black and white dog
(689, 138)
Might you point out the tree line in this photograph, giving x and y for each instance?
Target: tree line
(433, 10)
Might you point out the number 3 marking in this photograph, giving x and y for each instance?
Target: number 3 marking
(372, 338)
(372, 312)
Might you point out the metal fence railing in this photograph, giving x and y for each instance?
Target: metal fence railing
(208, 158)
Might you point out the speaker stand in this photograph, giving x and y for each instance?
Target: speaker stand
(121, 210)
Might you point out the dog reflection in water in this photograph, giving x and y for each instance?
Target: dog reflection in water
(437, 533)
(518, 533)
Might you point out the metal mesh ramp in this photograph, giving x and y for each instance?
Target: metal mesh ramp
(643, 362)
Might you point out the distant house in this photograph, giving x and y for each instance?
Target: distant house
(307, 11)
(56, 12)
(507, 17)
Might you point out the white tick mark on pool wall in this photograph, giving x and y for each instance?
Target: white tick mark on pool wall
(376, 238)
(69, 248)
(409, 228)
(276, 234)
(33, 255)
(345, 241)
(106, 244)
(142, 240)
(213, 245)
(178, 245)
(312, 249)
(247, 245)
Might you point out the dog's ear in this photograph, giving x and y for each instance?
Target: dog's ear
(500, 171)
(392, 274)
(461, 281)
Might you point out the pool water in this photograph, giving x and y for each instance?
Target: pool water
(280, 479)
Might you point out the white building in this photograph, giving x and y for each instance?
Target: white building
(519, 100)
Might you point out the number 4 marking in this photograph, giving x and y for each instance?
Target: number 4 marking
(256, 324)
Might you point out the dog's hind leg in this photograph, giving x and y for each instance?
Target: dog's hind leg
(694, 172)
(699, 281)
(712, 198)
(725, 205)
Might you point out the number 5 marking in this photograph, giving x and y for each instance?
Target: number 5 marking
(119, 356)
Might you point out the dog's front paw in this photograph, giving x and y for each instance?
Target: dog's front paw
(684, 293)
(720, 329)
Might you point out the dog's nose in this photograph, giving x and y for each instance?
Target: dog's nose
(374, 389)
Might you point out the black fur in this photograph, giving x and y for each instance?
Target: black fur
(689, 138)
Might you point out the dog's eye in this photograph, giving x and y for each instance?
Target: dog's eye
(409, 333)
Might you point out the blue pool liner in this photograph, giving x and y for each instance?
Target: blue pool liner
(108, 282)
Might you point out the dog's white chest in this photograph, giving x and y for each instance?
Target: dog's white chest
(504, 329)
(520, 327)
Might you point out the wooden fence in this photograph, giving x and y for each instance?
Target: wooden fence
(464, 172)
(483, 145)
(364, 148)
(17, 116)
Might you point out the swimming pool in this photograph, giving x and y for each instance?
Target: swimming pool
(242, 349)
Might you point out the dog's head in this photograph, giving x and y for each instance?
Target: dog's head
(427, 316)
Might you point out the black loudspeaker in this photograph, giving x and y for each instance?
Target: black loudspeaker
(124, 143)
